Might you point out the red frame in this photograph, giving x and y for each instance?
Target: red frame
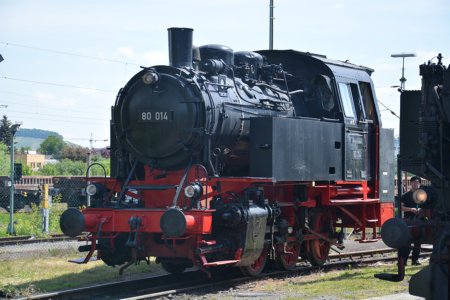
(351, 200)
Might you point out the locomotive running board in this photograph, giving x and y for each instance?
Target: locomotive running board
(205, 263)
(220, 263)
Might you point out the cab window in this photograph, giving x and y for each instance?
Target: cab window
(359, 109)
(367, 100)
(347, 101)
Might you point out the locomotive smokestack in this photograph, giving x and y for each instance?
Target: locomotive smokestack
(180, 47)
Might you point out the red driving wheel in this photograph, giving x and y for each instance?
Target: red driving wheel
(259, 264)
(287, 257)
(318, 249)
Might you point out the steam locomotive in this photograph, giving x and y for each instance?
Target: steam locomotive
(424, 151)
(227, 158)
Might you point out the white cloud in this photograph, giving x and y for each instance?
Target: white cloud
(150, 58)
(153, 58)
(53, 100)
(126, 52)
(337, 5)
(88, 91)
(384, 65)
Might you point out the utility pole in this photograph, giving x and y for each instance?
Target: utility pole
(271, 26)
(88, 174)
(11, 229)
(403, 55)
(399, 159)
(2, 105)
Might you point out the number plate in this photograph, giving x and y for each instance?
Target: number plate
(155, 116)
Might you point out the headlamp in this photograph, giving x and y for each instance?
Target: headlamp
(420, 196)
(150, 77)
(193, 190)
(91, 189)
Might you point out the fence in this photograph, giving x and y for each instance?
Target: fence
(70, 190)
(67, 190)
(28, 191)
(29, 219)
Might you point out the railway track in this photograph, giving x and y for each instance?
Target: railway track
(160, 286)
(23, 240)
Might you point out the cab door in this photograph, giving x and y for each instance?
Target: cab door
(356, 133)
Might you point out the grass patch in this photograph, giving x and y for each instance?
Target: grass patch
(353, 283)
(44, 273)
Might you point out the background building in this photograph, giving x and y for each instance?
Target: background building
(32, 159)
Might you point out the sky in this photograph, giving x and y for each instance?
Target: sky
(65, 61)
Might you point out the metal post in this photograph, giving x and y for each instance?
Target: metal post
(11, 229)
(89, 158)
(271, 26)
(399, 188)
(88, 197)
(403, 79)
(45, 209)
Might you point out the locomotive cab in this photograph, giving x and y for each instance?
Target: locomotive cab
(338, 97)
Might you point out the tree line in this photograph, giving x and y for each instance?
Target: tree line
(5, 131)
(36, 133)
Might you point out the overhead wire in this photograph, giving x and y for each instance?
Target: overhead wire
(53, 115)
(84, 111)
(67, 53)
(57, 84)
(11, 116)
(75, 114)
(61, 53)
(388, 109)
(85, 139)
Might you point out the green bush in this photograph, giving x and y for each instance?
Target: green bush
(30, 223)
(66, 167)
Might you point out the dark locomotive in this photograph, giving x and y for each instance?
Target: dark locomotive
(424, 150)
(230, 158)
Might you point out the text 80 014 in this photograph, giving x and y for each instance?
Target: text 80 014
(156, 116)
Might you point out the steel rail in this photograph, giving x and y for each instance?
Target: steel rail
(335, 262)
(22, 240)
(165, 285)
